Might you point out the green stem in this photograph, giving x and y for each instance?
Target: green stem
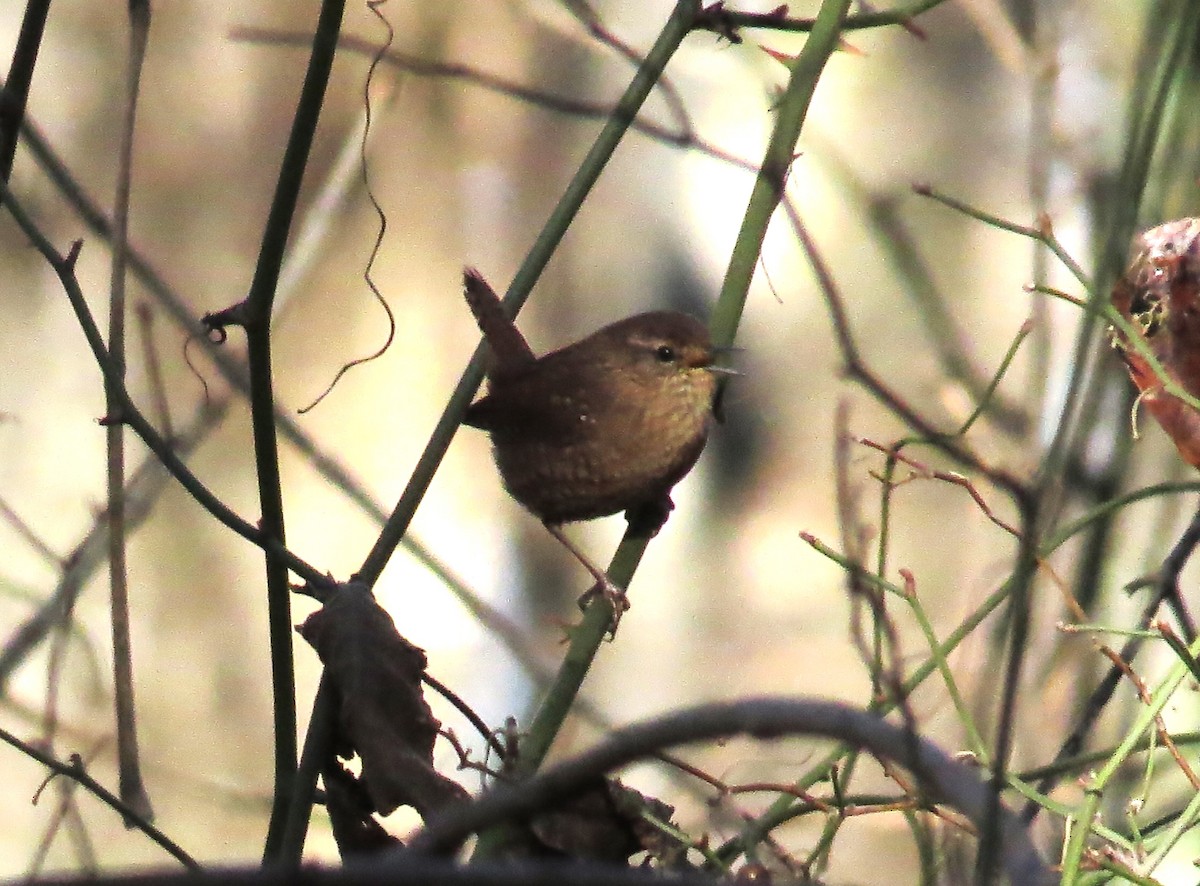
(1082, 825)
(790, 112)
(768, 189)
(587, 637)
(678, 26)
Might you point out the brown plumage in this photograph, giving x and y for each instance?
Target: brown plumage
(607, 424)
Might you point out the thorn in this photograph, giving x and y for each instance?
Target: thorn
(73, 255)
(850, 49)
(782, 57)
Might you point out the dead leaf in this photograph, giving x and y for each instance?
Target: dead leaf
(1159, 295)
(605, 824)
(382, 715)
(354, 830)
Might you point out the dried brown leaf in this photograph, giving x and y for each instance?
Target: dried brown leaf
(605, 824)
(1160, 296)
(382, 714)
(355, 831)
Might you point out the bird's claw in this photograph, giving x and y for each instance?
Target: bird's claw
(617, 600)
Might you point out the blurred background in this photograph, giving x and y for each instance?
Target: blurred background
(1015, 107)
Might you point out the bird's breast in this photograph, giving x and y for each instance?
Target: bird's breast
(603, 454)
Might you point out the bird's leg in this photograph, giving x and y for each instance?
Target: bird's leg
(647, 518)
(604, 585)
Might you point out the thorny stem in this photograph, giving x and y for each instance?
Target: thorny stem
(723, 20)
(531, 268)
(791, 111)
(586, 639)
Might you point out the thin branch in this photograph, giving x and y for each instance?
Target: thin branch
(1167, 587)
(953, 477)
(66, 812)
(64, 268)
(1051, 774)
(1086, 811)
(15, 92)
(74, 770)
(945, 779)
(726, 21)
(590, 19)
(143, 488)
(1160, 726)
(133, 789)
(23, 529)
(948, 339)
(1043, 233)
(318, 748)
(258, 307)
(423, 67)
(857, 368)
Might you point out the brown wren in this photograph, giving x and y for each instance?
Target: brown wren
(607, 424)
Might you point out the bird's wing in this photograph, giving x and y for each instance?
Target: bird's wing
(524, 404)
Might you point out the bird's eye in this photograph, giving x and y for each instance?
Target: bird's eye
(664, 353)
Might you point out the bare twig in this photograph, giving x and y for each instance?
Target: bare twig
(1167, 588)
(75, 770)
(1092, 708)
(142, 489)
(258, 310)
(15, 92)
(1160, 725)
(952, 477)
(23, 529)
(586, 14)
(66, 812)
(64, 268)
(133, 789)
(856, 367)
(940, 775)
(726, 22)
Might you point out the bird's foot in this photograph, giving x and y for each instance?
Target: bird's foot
(617, 600)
